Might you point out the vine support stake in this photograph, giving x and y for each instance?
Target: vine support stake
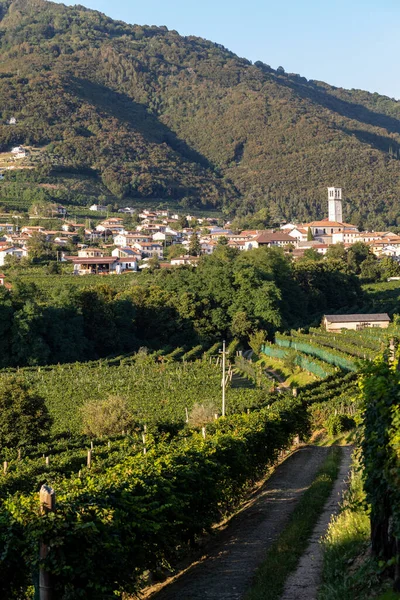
(47, 498)
(5, 467)
(186, 415)
(223, 376)
(47, 461)
(203, 432)
(89, 459)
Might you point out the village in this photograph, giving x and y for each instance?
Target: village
(169, 240)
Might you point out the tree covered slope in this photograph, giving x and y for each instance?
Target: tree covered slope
(142, 112)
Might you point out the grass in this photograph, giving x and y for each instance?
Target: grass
(284, 555)
(296, 379)
(350, 572)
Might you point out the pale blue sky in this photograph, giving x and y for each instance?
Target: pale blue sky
(347, 43)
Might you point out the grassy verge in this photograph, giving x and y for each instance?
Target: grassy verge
(296, 379)
(285, 553)
(350, 573)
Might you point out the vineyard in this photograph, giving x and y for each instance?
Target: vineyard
(135, 500)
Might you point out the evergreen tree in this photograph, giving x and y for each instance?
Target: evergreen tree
(194, 245)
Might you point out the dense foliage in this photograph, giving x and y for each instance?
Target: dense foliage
(112, 525)
(127, 111)
(381, 457)
(228, 295)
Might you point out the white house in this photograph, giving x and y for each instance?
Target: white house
(98, 208)
(11, 251)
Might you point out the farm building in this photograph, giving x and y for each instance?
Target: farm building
(338, 322)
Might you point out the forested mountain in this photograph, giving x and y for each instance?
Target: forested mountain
(127, 111)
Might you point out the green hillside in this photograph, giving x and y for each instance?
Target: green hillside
(123, 112)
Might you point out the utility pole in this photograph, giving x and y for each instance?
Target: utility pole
(223, 376)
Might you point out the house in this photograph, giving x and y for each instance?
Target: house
(32, 229)
(278, 238)
(11, 251)
(131, 237)
(298, 233)
(8, 227)
(94, 265)
(90, 253)
(127, 210)
(127, 253)
(17, 149)
(149, 249)
(338, 322)
(12, 121)
(98, 208)
(327, 227)
(185, 260)
(3, 281)
(127, 264)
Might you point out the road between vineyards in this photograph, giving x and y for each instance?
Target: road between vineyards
(226, 570)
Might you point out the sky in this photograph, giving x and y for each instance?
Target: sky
(346, 43)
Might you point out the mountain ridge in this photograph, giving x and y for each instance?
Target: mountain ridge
(153, 114)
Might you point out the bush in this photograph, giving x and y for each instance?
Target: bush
(200, 415)
(106, 417)
(24, 416)
(337, 424)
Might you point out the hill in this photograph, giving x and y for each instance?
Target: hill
(126, 112)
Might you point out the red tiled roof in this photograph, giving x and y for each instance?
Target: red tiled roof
(104, 260)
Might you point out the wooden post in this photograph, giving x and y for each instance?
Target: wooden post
(216, 416)
(91, 446)
(47, 461)
(187, 415)
(89, 459)
(203, 432)
(47, 504)
(5, 467)
(19, 453)
(294, 392)
(109, 444)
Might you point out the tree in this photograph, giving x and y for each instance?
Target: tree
(356, 254)
(39, 249)
(24, 416)
(370, 269)
(154, 263)
(312, 254)
(256, 341)
(175, 250)
(310, 236)
(336, 252)
(290, 360)
(222, 240)
(194, 245)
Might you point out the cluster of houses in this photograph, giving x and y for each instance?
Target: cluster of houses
(120, 249)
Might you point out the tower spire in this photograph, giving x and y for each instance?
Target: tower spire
(335, 212)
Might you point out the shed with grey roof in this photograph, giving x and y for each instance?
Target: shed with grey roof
(357, 321)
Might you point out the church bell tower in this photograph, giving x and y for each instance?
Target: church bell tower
(335, 204)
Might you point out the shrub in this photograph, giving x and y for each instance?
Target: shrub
(24, 416)
(106, 417)
(200, 415)
(337, 424)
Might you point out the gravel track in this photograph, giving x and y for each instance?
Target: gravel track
(227, 571)
(303, 584)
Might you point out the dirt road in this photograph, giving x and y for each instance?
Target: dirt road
(226, 572)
